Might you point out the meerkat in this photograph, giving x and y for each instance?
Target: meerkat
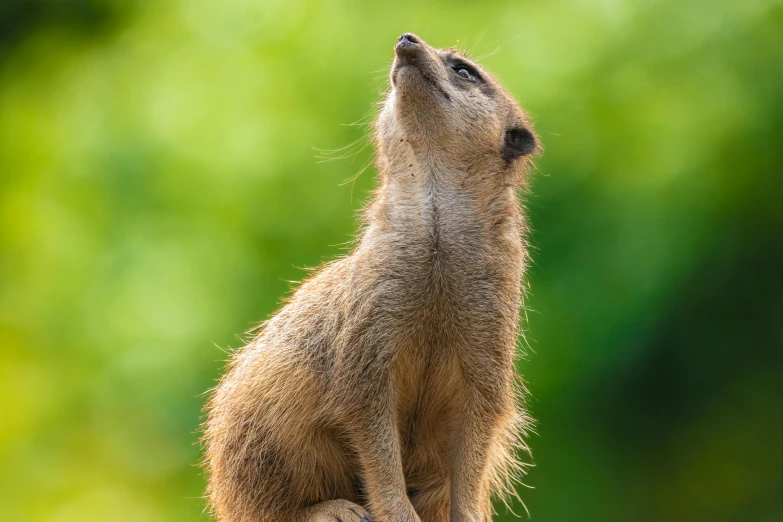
(385, 387)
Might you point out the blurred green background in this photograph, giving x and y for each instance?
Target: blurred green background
(160, 187)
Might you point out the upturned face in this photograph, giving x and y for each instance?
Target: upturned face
(444, 109)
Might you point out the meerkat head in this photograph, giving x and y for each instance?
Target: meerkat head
(443, 108)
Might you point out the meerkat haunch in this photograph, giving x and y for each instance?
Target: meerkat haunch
(385, 388)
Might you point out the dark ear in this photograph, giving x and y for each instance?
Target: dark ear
(518, 142)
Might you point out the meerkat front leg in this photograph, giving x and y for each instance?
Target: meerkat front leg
(375, 439)
(476, 429)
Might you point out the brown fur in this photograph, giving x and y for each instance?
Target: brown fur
(386, 384)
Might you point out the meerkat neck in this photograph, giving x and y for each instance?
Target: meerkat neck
(420, 214)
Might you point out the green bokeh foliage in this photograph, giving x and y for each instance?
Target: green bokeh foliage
(161, 186)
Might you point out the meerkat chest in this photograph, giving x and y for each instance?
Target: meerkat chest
(456, 280)
(426, 385)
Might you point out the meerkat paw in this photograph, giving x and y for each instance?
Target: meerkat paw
(336, 511)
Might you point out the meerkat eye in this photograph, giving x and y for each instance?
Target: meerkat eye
(466, 72)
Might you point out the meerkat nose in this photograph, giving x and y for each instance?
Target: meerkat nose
(407, 38)
(408, 44)
(407, 41)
